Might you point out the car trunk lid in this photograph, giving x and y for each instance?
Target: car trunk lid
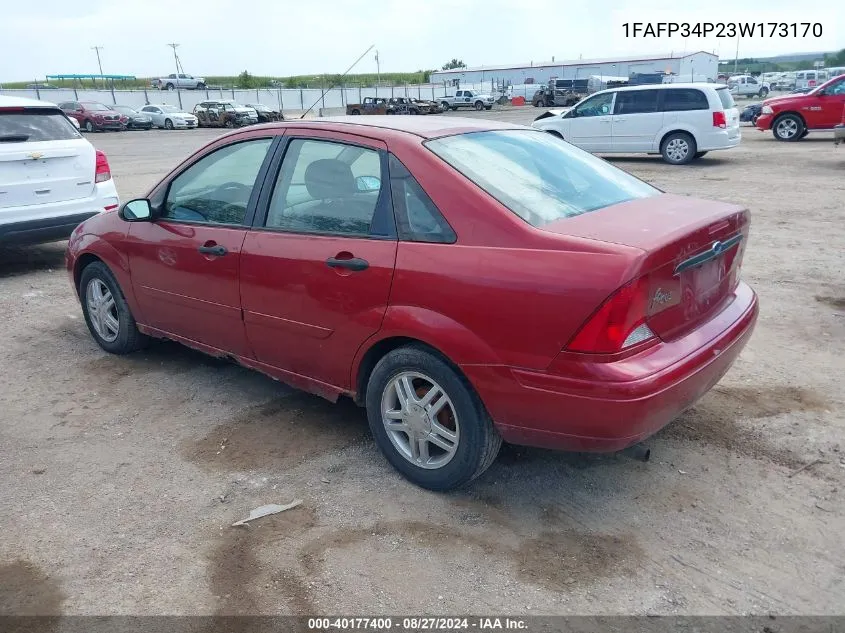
(692, 253)
(45, 172)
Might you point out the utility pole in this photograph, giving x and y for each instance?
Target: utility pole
(99, 63)
(174, 46)
(736, 59)
(378, 73)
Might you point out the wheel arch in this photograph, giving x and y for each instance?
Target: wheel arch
(780, 115)
(90, 249)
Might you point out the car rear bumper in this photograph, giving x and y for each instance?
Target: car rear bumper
(722, 139)
(42, 230)
(647, 391)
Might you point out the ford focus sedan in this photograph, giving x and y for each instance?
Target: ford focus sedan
(466, 281)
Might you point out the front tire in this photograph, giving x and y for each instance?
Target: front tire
(788, 128)
(356, 112)
(168, 124)
(200, 86)
(479, 106)
(106, 312)
(763, 93)
(444, 105)
(678, 148)
(89, 126)
(428, 421)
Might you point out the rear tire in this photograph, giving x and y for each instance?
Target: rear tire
(103, 303)
(763, 93)
(474, 441)
(678, 148)
(356, 112)
(788, 128)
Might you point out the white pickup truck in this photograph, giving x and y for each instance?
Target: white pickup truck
(181, 80)
(467, 99)
(748, 86)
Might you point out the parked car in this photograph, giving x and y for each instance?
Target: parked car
(467, 99)
(427, 106)
(560, 92)
(134, 120)
(616, 306)
(750, 113)
(266, 114)
(748, 86)
(839, 130)
(404, 105)
(51, 177)
(682, 122)
(219, 113)
(170, 117)
(93, 116)
(180, 80)
(370, 105)
(41, 87)
(792, 117)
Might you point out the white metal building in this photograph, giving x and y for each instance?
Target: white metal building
(681, 64)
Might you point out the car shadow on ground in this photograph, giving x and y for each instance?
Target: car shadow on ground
(702, 163)
(17, 260)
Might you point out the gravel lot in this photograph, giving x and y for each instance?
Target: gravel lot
(120, 477)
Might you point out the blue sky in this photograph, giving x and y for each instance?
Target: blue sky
(282, 37)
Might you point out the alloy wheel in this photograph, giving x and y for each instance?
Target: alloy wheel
(677, 150)
(102, 310)
(420, 420)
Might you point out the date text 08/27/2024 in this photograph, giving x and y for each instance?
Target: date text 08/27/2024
(723, 29)
(416, 623)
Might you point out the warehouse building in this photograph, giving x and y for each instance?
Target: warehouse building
(692, 65)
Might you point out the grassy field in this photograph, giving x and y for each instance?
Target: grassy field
(251, 81)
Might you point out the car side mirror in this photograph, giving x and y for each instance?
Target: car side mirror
(368, 183)
(137, 211)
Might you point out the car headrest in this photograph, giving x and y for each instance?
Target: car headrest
(329, 178)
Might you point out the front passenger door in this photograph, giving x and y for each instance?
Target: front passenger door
(591, 126)
(185, 265)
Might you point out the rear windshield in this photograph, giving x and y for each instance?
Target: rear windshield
(539, 177)
(726, 98)
(20, 126)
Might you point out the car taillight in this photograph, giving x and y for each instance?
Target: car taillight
(618, 324)
(102, 172)
(719, 120)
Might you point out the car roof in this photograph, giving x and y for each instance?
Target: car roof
(386, 126)
(667, 86)
(23, 102)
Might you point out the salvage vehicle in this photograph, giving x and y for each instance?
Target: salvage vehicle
(467, 99)
(428, 107)
(266, 114)
(681, 122)
(170, 117)
(300, 249)
(93, 116)
(792, 117)
(51, 177)
(560, 92)
(219, 113)
(370, 105)
(179, 80)
(134, 120)
(750, 113)
(403, 105)
(748, 86)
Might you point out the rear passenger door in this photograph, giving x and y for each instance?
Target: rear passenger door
(317, 267)
(637, 121)
(686, 109)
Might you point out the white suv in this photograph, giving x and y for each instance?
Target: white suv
(680, 121)
(51, 178)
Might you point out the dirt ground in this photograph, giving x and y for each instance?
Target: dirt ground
(120, 477)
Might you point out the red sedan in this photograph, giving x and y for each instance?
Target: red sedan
(467, 281)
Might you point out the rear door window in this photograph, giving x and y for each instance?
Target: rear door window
(726, 98)
(636, 101)
(35, 125)
(683, 99)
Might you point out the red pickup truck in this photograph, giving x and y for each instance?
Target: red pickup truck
(792, 117)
